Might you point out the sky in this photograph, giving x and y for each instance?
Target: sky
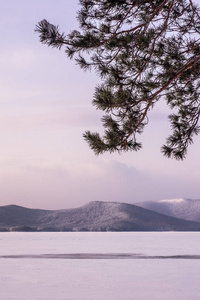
(45, 107)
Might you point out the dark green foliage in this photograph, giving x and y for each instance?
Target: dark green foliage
(143, 51)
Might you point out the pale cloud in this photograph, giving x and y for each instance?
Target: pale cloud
(17, 60)
(73, 181)
(70, 185)
(46, 118)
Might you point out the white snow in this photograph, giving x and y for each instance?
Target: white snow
(178, 200)
(99, 279)
(49, 27)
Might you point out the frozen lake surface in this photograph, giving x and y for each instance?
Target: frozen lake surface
(109, 265)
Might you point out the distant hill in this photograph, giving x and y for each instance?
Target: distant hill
(186, 209)
(94, 216)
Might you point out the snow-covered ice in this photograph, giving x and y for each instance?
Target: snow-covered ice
(31, 275)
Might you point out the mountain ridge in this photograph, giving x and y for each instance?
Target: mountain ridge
(93, 216)
(182, 208)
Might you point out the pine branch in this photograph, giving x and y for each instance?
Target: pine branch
(143, 51)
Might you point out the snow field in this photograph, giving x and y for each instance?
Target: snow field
(99, 279)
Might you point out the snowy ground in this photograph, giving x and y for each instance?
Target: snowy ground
(32, 274)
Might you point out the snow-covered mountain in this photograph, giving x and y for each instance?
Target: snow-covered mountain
(186, 209)
(94, 216)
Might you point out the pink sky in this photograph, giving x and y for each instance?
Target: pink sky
(45, 106)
